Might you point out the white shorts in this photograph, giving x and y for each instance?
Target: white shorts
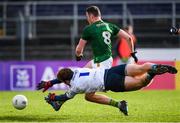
(105, 64)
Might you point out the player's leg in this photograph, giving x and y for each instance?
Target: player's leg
(136, 70)
(103, 99)
(97, 98)
(132, 84)
(116, 78)
(117, 82)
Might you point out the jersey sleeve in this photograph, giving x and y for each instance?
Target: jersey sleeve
(71, 93)
(115, 29)
(85, 34)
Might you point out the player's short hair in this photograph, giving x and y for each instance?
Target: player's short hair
(65, 74)
(94, 10)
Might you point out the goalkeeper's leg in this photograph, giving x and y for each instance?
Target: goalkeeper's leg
(132, 83)
(156, 69)
(102, 99)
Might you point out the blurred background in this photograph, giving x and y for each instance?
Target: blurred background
(44, 30)
(36, 33)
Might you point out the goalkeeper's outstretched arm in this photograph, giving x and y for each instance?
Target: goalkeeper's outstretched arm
(45, 85)
(62, 97)
(52, 98)
(56, 101)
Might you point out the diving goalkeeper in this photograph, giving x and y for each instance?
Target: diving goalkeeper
(120, 78)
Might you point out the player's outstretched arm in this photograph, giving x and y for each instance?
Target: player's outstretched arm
(56, 101)
(130, 42)
(80, 49)
(128, 38)
(45, 85)
(53, 97)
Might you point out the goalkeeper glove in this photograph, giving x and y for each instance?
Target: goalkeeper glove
(78, 58)
(44, 85)
(134, 56)
(51, 100)
(173, 30)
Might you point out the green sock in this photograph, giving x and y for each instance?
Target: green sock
(114, 103)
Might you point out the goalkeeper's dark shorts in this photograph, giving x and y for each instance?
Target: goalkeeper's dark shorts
(114, 78)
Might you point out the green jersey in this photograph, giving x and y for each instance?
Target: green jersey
(100, 34)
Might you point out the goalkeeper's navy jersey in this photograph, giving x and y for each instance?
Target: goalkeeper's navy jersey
(86, 80)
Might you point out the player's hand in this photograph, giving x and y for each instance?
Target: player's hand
(134, 56)
(44, 85)
(51, 100)
(78, 58)
(173, 30)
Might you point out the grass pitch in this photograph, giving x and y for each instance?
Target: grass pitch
(144, 106)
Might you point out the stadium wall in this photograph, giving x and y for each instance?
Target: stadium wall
(26, 75)
(16, 75)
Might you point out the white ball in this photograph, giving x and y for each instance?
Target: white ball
(19, 102)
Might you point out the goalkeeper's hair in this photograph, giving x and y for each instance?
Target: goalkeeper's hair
(65, 74)
(94, 10)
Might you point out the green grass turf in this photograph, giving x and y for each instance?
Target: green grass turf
(144, 106)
